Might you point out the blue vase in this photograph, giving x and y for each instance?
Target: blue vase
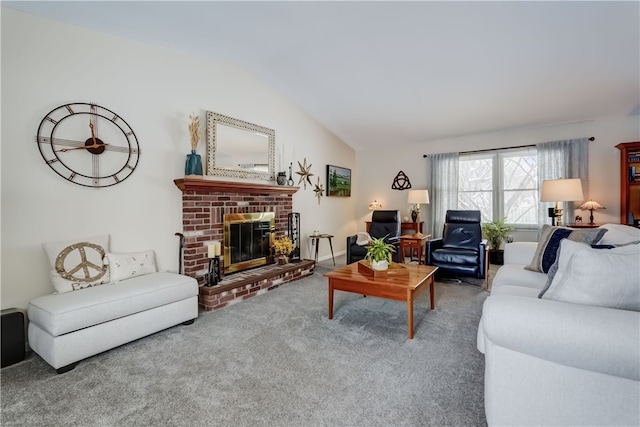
(193, 165)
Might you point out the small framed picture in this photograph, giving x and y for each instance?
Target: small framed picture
(338, 181)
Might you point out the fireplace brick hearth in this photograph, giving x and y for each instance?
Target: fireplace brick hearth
(204, 203)
(249, 283)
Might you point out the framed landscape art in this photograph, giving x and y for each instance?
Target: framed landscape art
(338, 181)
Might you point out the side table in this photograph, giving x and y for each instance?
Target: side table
(584, 225)
(316, 241)
(414, 241)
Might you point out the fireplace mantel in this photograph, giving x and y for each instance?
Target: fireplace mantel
(209, 185)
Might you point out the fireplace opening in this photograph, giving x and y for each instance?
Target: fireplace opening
(247, 240)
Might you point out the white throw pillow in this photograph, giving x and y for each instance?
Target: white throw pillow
(126, 266)
(362, 238)
(600, 277)
(619, 234)
(77, 264)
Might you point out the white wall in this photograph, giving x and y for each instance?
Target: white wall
(377, 168)
(47, 64)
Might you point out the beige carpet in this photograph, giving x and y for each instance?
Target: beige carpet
(275, 360)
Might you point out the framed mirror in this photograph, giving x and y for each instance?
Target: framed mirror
(239, 149)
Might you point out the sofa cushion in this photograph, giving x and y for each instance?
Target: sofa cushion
(515, 290)
(620, 234)
(516, 275)
(600, 277)
(77, 264)
(59, 314)
(550, 239)
(126, 266)
(554, 267)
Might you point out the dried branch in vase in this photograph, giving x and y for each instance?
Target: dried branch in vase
(194, 130)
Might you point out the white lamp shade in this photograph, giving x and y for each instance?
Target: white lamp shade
(420, 197)
(375, 205)
(561, 190)
(591, 204)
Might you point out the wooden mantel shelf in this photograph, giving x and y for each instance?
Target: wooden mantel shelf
(210, 185)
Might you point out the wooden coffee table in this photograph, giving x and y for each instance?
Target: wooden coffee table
(396, 285)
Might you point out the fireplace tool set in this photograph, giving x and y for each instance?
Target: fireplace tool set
(213, 276)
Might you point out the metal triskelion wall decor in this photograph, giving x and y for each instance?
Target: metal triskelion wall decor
(401, 182)
(88, 145)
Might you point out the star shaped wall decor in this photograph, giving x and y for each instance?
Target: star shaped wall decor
(319, 190)
(305, 173)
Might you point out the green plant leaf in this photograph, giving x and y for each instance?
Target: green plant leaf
(496, 232)
(379, 250)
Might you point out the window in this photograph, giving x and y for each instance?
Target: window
(501, 184)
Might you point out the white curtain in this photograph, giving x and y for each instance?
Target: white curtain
(444, 190)
(563, 159)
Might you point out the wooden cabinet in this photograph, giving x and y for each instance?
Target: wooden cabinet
(629, 182)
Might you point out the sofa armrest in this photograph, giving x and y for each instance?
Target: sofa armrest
(593, 338)
(519, 252)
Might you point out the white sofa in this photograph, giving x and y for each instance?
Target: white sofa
(65, 328)
(549, 362)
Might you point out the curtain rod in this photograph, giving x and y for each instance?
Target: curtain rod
(424, 156)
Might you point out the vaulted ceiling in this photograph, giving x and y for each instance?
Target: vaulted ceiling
(378, 72)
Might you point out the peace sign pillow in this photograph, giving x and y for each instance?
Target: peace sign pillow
(78, 264)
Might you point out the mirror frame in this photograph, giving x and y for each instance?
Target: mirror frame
(212, 169)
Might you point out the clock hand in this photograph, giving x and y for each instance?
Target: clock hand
(84, 147)
(93, 135)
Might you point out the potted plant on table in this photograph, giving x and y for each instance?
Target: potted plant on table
(496, 232)
(379, 253)
(282, 247)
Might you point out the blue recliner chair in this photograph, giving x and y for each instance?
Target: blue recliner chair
(461, 251)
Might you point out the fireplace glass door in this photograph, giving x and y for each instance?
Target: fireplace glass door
(247, 239)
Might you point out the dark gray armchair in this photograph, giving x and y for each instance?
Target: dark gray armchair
(461, 251)
(383, 223)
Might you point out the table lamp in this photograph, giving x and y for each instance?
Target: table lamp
(560, 190)
(418, 197)
(591, 205)
(375, 205)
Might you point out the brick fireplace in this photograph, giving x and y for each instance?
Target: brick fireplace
(204, 204)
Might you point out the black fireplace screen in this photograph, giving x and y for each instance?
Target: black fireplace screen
(247, 240)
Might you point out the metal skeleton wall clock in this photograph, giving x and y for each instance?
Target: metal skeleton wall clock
(88, 145)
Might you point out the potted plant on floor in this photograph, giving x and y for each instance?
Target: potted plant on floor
(496, 232)
(379, 253)
(282, 247)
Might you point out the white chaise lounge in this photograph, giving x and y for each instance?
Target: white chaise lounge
(66, 328)
(104, 300)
